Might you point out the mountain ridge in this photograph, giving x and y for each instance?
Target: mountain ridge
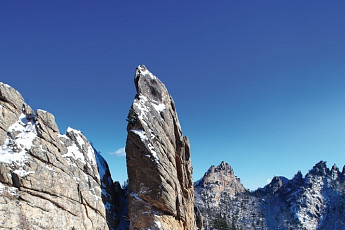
(313, 201)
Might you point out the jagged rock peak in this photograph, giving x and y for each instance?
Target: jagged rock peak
(223, 168)
(216, 181)
(279, 180)
(315, 201)
(298, 175)
(50, 180)
(276, 183)
(223, 165)
(159, 167)
(298, 178)
(219, 183)
(150, 86)
(320, 169)
(216, 172)
(335, 168)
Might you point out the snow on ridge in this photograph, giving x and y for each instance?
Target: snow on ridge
(91, 155)
(101, 165)
(69, 129)
(6, 85)
(140, 133)
(43, 111)
(308, 204)
(141, 105)
(153, 152)
(74, 150)
(160, 107)
(14, 149)
(144, 138)
(143, 97)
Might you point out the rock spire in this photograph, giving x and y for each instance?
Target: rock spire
(158, 160)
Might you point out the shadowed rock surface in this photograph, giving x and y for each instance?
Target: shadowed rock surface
(159, 167)
(49, 180)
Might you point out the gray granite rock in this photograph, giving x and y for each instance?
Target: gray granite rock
(49, 180)
(11, 104)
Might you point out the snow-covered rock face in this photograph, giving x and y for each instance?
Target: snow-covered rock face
(158, 160)
(49, 180)
(220, 195)
(78, 148)
(311, 204)
(19, 141)
(316, 201)
(321, 200)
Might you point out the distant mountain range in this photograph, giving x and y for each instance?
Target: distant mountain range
(315, 201)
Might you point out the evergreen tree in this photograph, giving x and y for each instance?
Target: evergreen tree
(220, 223)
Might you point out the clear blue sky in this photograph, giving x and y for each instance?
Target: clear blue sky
(258, 84)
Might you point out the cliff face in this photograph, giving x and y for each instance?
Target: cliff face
(315, 201)
(159, 167)
(49, 180)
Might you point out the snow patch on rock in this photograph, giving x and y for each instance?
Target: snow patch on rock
(75, 151)
(19, 141)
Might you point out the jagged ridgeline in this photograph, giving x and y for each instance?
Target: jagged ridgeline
(313, 202)
(159, 167)
(50, 180)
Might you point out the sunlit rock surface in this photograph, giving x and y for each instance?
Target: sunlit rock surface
(50, 180)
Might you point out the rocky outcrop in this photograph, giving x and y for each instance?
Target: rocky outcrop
(158, 160)
(315, 201)
(11, 103)
(49, 180)
(218, 180)
(214, 195)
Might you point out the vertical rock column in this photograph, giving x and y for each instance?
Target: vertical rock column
(158, 160)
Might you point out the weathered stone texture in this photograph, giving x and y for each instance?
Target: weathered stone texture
(11, 103)
(218, 180)
(49, 180)
(158, 160)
